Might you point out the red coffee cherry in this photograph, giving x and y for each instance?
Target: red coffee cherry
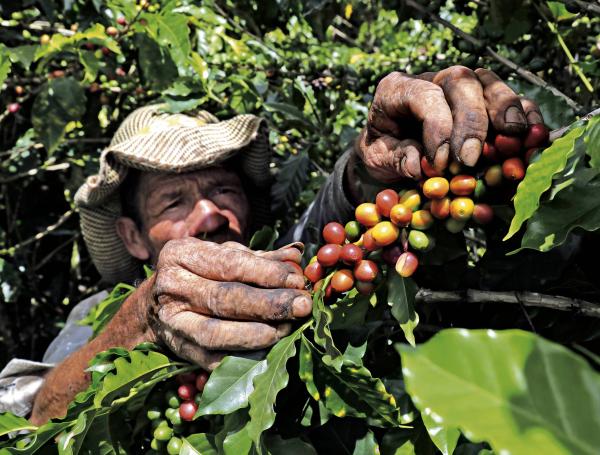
(463, 185)
(13, 108)
(428, 169)
(391, 254)
(407, 264)
(186, 391)
(385, 233)
(187, 410)
(531, 153)
(401, 215)
(342, 281)
(122, 21)
(365, 288)
(186, 378)
(366, 270)
(351, 254)
(385, 200)
(105, 51)
(537, 136)
(440, 208)
(314, 271)
(367, 214)
(201, 380)
(369, 243)
(334, 233)
(436, 187)
(490, 153)
(482, 213)
(513, 169)
(329, 254)
(507, 145)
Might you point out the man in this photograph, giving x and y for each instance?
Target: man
(188, 212)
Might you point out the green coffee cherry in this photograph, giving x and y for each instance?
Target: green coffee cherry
(153, 413)
(172, 399)
(479, 189)
(455, 226)
(418, 240)
(352, 229)
(163, 433)
(157, 445)
(175, 418)
(174, 446)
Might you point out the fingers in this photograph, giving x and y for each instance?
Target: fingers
(399, 97)
(217, 334)
(176, 286)
(465, 98)
(503, 105)
(191, 352)
(221, 263)
(389, 159)
(292, 252)
(532, 112)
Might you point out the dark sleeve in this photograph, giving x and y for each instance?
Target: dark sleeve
(330, 204)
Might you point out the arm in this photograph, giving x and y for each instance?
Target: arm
(127, 329)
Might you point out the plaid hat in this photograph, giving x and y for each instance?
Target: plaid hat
(150, 139)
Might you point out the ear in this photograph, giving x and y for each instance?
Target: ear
(132, 238)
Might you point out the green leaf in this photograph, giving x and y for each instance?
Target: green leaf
(233, 438)
(305, 371)
(264, 239)
(268, 384)
(292, 446)
(401, 297)
(592, 141)
(538, 178)
(103, 311)
(576, 206)
(198, 444)
(156, 65)
(290, 112)
(230, 385)
(23, 54)
(4, 63)
(290, 180)
(513, 389)
(172, 34)
(445, 439)
(42, 436)
(323, 317)
(59, 102)
(10, 423)
(367, 445)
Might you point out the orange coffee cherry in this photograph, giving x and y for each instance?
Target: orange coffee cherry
(461, 208)
(400, 215)
(436, 187)
(428, 169)
(440, 208)
(463, 185)
(411, 199)
(421, 220)
(367, 214)
(513, 169)
(369, 243)
(342, 280)
(385, 233)
(407, 264)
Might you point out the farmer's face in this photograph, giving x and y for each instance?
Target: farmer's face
(208, 204)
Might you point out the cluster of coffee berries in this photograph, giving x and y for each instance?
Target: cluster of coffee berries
(397, 221)
(170, 415)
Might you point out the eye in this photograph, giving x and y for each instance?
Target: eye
(174, 203)
(224, 190)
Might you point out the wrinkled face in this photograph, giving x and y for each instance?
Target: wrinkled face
(208, 204)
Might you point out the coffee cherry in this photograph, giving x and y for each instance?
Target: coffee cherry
(105, 51)
(436, 187)
(163, 433)
(352, 229)
(463, 185)
(122, 21)
(385, 233)
(13, 108)
(120, 72)
(174, 446)
(428, 169)
(490, 153)
(366, 270)
(154, 413)
(401, 215)
(367, 214)
(19, 90)
(364, 287)
(334, 233)
(482, 214)
(507, 145)
(172, 399)
(368, 241)
(421, 220)
(440, 208)
(201, 380)
(407, 264)
(537, 136)
(112, 31)
(187, 410)
(455, 168)
(461, 208)
(351, 254)
(493, 176)
(329, 254)
(513, 169)
(411, 199)
(44, 39)
(531, 155)
(391, 254)
(56, 74)
(186, 378)
(455, 226)
(418, 240)
(385, 200)
(479, 189)
(342, 281)
(186, 391)
(314, 272)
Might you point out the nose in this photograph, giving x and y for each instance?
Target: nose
(205, 218)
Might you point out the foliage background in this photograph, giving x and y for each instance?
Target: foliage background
(309, 67)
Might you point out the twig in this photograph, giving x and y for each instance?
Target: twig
(47, 166)
(65, 216)
(588, 7)
(555, 134)
(525, 74)
(532, 299)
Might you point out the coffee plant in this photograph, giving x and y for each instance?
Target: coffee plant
(452, 356)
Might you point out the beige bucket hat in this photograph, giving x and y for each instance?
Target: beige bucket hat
(150, 139)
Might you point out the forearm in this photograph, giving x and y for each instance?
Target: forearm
(127, 329)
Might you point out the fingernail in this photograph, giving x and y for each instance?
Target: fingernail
(441, 157)
(533, 118)
(298, 245)
(404, 167)
(470, 151)
(301, 306)
(514, 115)
(283, 329)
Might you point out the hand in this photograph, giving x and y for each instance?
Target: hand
(208, 299)
(448, 112)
